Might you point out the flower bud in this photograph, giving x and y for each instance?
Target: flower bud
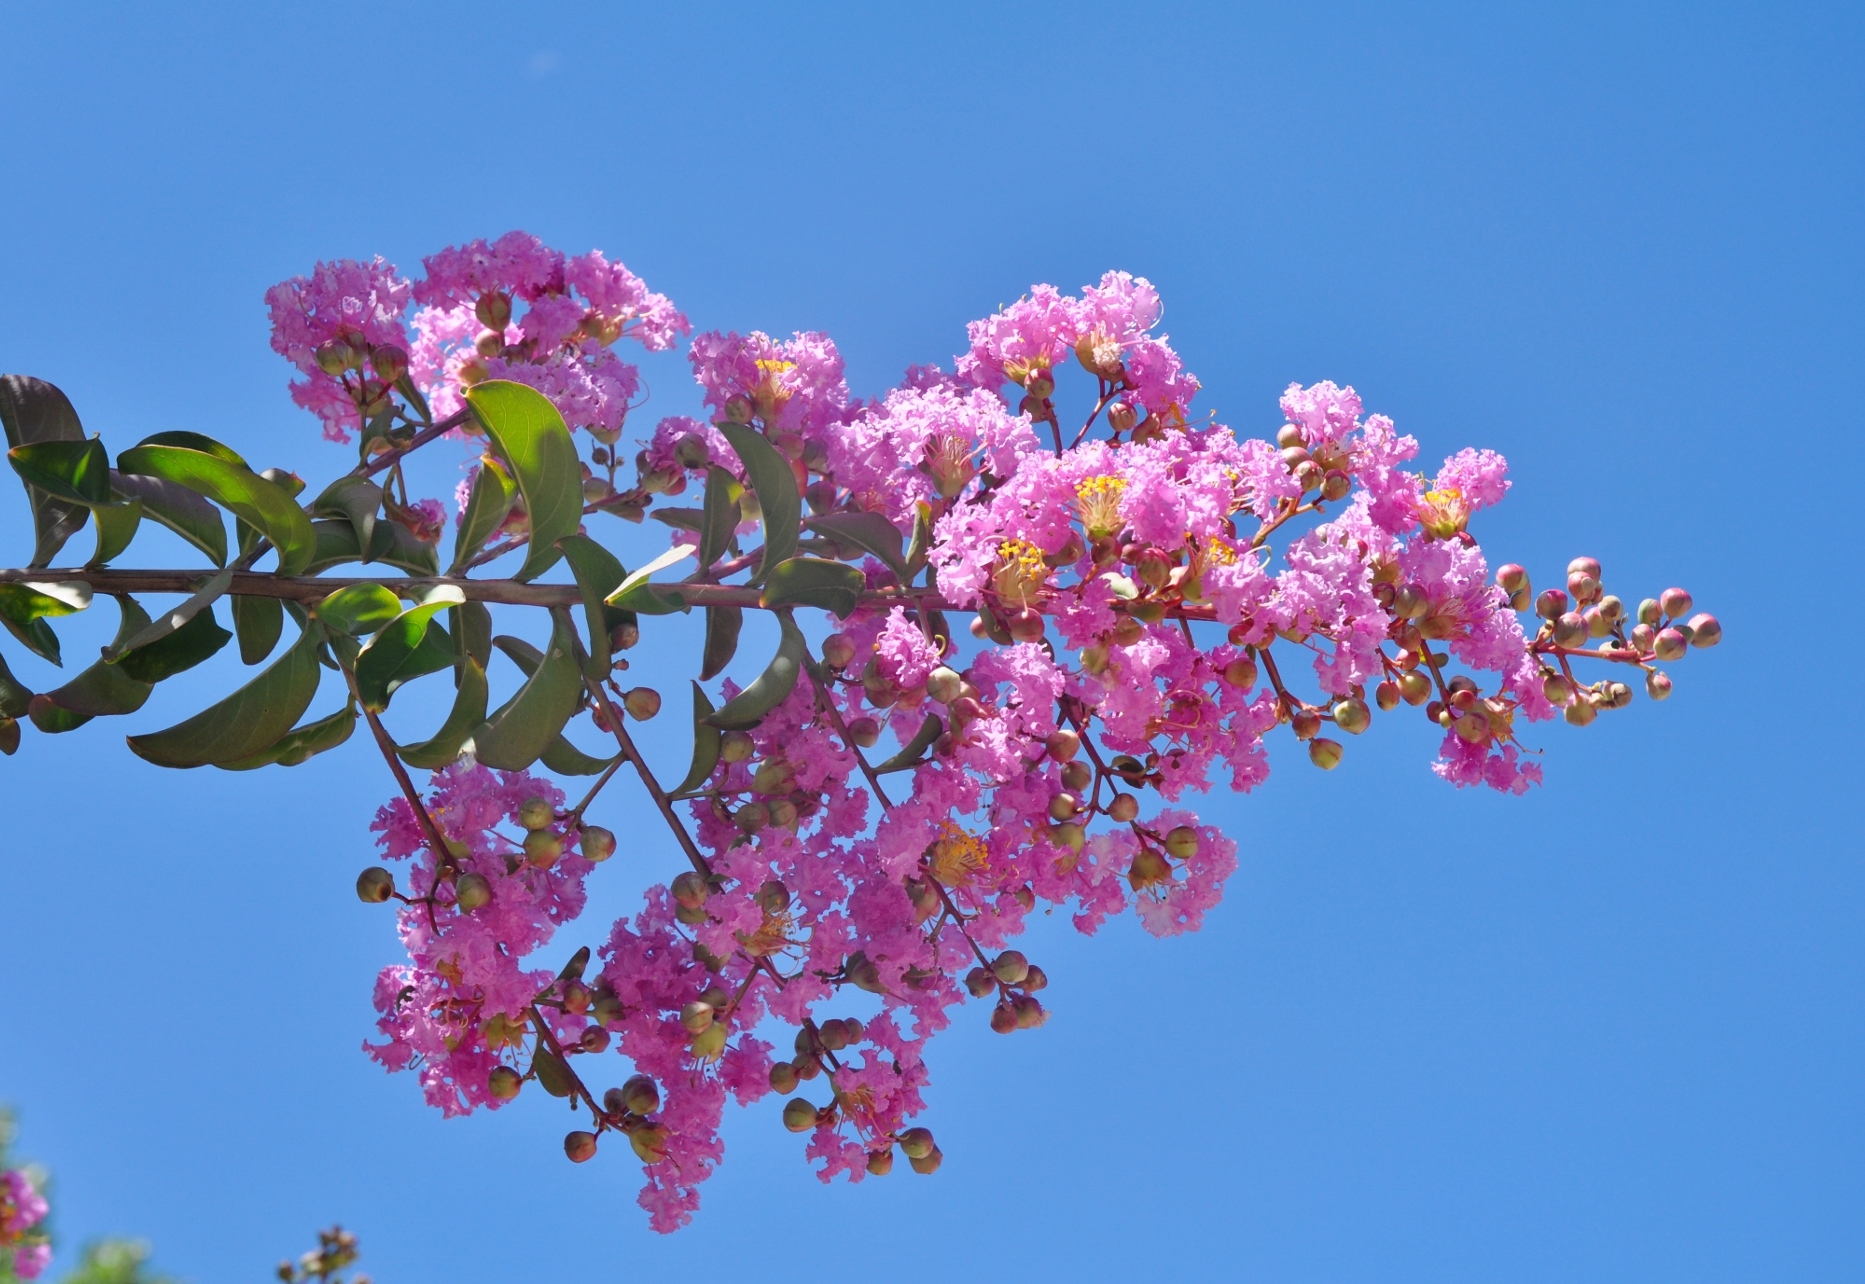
(736, 746)
(1570, 629)
(594, 1039)
(1182, 842)
(494, 309)
(642, 703)
(1581, 712)
(1618, 695)
(783, 1077)
(597, 844)
(1472, 728)
(944, 685)
(1029, 1011)
(880, 1162)
(799, 1115)
(1003, 1018)
(503, 1083)
(928, 1163)
(751, 817)
(1612, 608)
(1705, 630)
(1386, 696)
(1675, 603)
(1584, 587)
(783, 812)
(1658, 685)
(709, 1044)
(1642, 636)
(737, 409)
(1336, 485)
(838, 650)
(471, 892)
(1352, 716)
(332, 357)
(1063, 807)
(1294, 457)
(489, 343)
(1410, 602)
(580, 1146)
(1240, 673)
(375, 885)
(649, 1143)
(542, 848)
(1583, 566)
(696, 1016)
(535, 813)
(1027, 625)
(1324, 753)
(1511, 579)
(1670, 644)
(1414, 687)
(1071, 835)
(1010, 967)
(1124, 808)
(1649, 612)
(1128, 630)
(1306, 724)
(979, 982)
(1598, 626)
(1551, 605)
(1310, 476)
(1556, 689)
(773, 896)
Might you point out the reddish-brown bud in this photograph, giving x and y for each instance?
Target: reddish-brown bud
(1551, 605)
(1003, 1018)
(1386, 696)
(1063, 745)
(1010, 967)
(542, 848)
(799, 1115)
(1123, 808)
(980, 982)
(838, 650)
(503, 1083)
(1414, 687)
(1705, 630)
(1241, 673)
(783, 1077)
(1584, 566)
(1512, 579)
(1570, 629)
(1324, 753)
(1306, 724)
(880, 1162)
(1352, 716)
(580, 1146)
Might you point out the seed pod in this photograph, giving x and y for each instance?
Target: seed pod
(1003, 1018)
(580, 1146)
(1324, 753)
(1240, 673)
(783, 1077)
(773, 896)
(690, 889)
(1094, 660)
(642, 703)
(1658, 685)
(470, 892)
(1472, 728)
(542, 848)
(1182, 842)
(375, 885)
(535, 814)
(799, 1115)
(929, 1163)
(1705, 630)
(1076, 777)
(1124, 808)
(1010, 967)
(1675, 603)
(1670, 644)
(866, 974)
(1352, 716)
(880, 1162)
(980, 982)
(649, 1143)
(503, 1083)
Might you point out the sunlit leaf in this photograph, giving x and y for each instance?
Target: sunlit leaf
(356, 500)
(260, 503)
(531, 436)
(706, 744)
(812, 581)
(636, 594)
(191, 516)
(33, 411)
(776, 488)
(487, 507)
(408, 646)
(75, 471)
(357, 609)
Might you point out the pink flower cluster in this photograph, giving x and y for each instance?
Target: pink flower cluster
(22, 1210)
(1149, 600)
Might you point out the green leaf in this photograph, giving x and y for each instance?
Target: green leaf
(776, 488)
(25, 607)
(636, 594)
(870, 532)
(75, 471)
(102, 690)
(914, 752)
(487, 507)
(469, 710)
(681, 519)
(720, 514)
(597, 575)
(707, 741)
(553, 1073)
(258, 621)
(523, 727)
(14, 696)
(356, 500)
(32, 411)
(405, 650)
(472, 634)
(357, 609)
(394, 544)
(189, 515)
(192, 641)
(116, 527)
(210, 589)
(259, 503)
(536, 445)
(722, 626)
(812, 581)
(247, 722)
(921, 547)
(302, 743)
(196, 441)
(566, 759)
(770, 688)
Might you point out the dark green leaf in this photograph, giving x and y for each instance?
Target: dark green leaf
(921, 547)
(31, 411)
(302, 743)
(770, 688)
(636, 594)
(357, 609)
(681, 519)
(597, 575)
(517, 734)
(566, 759)
(116, 527)
(395, 544)
(472, 634)
(706, 744)
(196, 441)
(486, 510)
(469, 710)
(102, 690)
(406, 649)
(254, 500)
(811, 581)
(356, 500)
(75, 471)
(258, 621)
(250, 720)
(870, 532)
(536, 445)
(189, 515)
(519, 652)
(721, 514)
(776, 488)
(194, 640)
(24, 609)
(553, 1073)
(914, 752)
(722, 626)
(210, 589)
(14, 697)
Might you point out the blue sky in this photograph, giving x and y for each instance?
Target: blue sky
(1611, 1031)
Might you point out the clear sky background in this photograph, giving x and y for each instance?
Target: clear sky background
(1610, 1031)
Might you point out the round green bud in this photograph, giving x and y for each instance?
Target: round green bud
(709, 1044)
(470, 892)
(773, 897)
(542, 848)
(390, 362)
(1324, 753)
(1556, 689)
(580, 1146)
(838, 650)
(799, 1115)
(751, 817)
(1658, 685)
(1352, 716)
(917, 1143)
(375, 885)
(1581, 713)
(1062, 745)
(928, 1163)
(1240, 673)
(1029, 1011)
(649, 1142)
(1182, 842)
(880, 1162)
(642, 703)
(1010, 967)
(503, 1083)
(1414, 687)
(1077, 776)
(783, 812)
(640, 1096)
(1071, 835)
(736, 746)
(535, 813)
(1063, 807)
(1386, 696)
(944, 685)
(1124, 808)
(690, 890)
(597, 843)
(696, 1016)
(594, 1039)
(783, 1077)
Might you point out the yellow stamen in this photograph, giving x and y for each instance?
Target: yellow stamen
(1098, 501)
(955, 858)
